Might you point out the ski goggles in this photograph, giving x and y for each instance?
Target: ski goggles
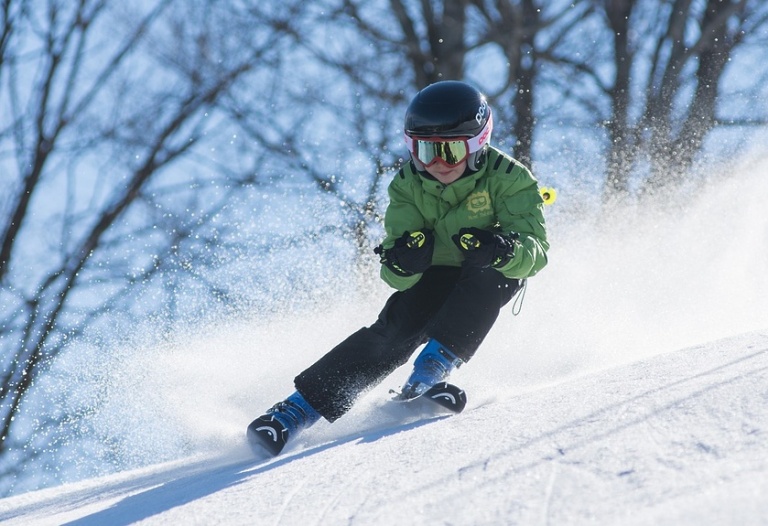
(451, 151)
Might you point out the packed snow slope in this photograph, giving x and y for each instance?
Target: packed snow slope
(680, 438)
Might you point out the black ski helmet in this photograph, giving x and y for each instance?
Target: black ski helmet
(450, 108)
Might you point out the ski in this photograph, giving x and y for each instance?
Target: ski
(447, 396)
(266, 435)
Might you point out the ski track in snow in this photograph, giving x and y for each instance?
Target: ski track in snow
(679, 438)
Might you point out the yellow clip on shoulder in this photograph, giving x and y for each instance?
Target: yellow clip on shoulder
(549, 195)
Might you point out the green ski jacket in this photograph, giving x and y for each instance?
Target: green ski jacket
(503, 196)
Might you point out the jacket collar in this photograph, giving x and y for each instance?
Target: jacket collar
(453, 193)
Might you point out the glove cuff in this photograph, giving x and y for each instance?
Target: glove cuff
(386, 258)
(505, 247)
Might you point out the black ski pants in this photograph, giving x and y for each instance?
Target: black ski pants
(457, 306)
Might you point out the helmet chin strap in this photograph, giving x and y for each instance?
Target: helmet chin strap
(418, 164)
(476, 160)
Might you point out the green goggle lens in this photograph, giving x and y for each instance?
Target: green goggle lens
(451, 152)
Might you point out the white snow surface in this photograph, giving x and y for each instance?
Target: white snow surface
(632, 390)
(679, 438)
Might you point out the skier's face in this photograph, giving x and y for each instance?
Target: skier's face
(444, 173)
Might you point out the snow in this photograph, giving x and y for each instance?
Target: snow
(632, 390)
(678, 438)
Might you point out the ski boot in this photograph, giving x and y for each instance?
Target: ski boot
(272, 430)
(432, 365)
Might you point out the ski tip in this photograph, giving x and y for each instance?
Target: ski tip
(266, 436)
(446, 395)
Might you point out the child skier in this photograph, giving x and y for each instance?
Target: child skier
(464, 229)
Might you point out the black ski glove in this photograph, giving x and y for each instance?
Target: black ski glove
(412, 253)
(483, 248)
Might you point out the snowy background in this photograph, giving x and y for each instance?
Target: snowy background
(632, 389)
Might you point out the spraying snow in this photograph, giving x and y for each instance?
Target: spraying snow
(614, 293)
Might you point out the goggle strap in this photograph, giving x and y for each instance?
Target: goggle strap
(477, 142)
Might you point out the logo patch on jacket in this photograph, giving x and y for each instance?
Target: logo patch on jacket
(479, 204)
